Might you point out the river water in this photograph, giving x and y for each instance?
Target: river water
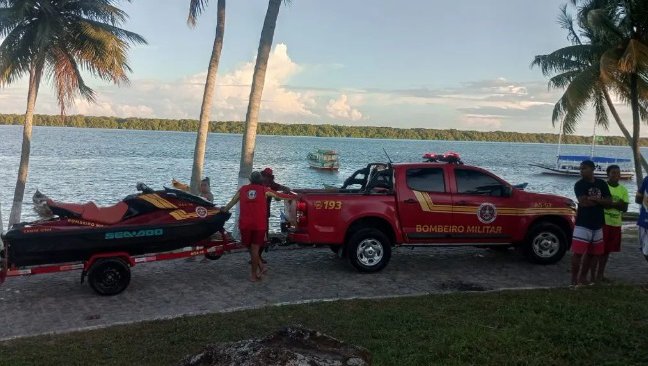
(79, 165)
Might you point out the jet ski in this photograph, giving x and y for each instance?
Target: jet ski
(146, 222)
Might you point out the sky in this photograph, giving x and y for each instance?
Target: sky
(461, 64)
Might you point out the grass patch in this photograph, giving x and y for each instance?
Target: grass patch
(603, 325)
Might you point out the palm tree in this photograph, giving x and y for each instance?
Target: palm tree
(625, 63)
(57, 40)
(196, 8)
(258, 81)
(577, 68)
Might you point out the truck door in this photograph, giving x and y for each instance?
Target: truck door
(425, 204)
(483, 207)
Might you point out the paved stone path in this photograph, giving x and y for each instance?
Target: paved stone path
(58, 303)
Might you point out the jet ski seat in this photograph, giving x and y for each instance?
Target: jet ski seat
(89, 211)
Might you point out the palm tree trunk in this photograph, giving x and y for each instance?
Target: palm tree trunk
(208, 100)
(622, 127)
(258, 81)
(16, 208)
(636, 125)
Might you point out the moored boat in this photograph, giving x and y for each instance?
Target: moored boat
(323, 159)
(569, 165)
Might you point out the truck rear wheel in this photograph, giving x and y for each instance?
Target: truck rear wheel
(369, 250)
(546, 243)
(109, 276)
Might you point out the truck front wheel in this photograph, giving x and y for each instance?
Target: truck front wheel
(546, 243)
(369, 250)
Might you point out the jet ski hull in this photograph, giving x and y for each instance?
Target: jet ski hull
(42, 244)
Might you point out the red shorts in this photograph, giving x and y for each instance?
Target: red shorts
(587, 241)
(612, 238)
(253, 237)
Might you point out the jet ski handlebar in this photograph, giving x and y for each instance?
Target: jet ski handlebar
(143, 188)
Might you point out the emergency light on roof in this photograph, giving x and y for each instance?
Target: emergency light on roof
(450, 157)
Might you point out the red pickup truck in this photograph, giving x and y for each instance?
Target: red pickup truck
(430, 204)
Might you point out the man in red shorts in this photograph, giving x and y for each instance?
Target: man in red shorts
(587, 241)
(613, 221)
(252, 220)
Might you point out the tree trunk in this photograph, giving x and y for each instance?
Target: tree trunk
(208, 100)
(258, 80)
(16, 208)
(624, 130)
(636, 125)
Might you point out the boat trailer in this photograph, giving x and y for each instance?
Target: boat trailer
(108, 273)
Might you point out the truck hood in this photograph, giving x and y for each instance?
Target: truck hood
(546, 198)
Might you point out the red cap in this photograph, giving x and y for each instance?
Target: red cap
(267, 172)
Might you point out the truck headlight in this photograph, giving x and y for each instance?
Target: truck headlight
(572, 204)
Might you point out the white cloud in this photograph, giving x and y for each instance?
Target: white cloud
(277, 103)
(341, 109)
(182, 98)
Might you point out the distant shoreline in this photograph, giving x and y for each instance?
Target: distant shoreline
(319, 130)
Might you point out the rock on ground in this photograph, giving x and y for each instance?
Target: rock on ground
(290, 346)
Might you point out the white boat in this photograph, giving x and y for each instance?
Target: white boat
(323, 159)
(569, 165)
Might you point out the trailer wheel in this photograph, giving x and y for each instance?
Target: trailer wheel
(109, 276)
(546, 243)
(369, 250)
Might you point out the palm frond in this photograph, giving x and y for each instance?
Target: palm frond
(66, 78)
(566, 21)
(99, 10)
(196, 7)
(567, 59)
(635, 57)
(574, 100)
(16, 54)
(600, 111)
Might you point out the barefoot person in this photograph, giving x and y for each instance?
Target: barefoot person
(587, 243)
(252, 219)
(613, 221)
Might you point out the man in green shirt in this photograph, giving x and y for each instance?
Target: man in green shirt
(613, 221)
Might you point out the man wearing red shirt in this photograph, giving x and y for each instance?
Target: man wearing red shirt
(252, 220)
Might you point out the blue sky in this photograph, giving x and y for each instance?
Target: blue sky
(455, 64)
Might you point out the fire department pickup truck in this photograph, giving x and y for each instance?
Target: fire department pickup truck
(430, 204)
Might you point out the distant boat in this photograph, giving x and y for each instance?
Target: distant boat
(323, 159)
(569, 165)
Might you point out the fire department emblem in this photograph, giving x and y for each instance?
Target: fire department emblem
(487, 213)
(201, 212)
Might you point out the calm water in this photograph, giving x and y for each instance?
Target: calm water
(80, 165)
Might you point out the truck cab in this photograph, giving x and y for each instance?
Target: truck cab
(431, 204)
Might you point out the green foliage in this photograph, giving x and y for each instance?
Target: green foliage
(61, 39)
(592, 326)
(326, 130)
